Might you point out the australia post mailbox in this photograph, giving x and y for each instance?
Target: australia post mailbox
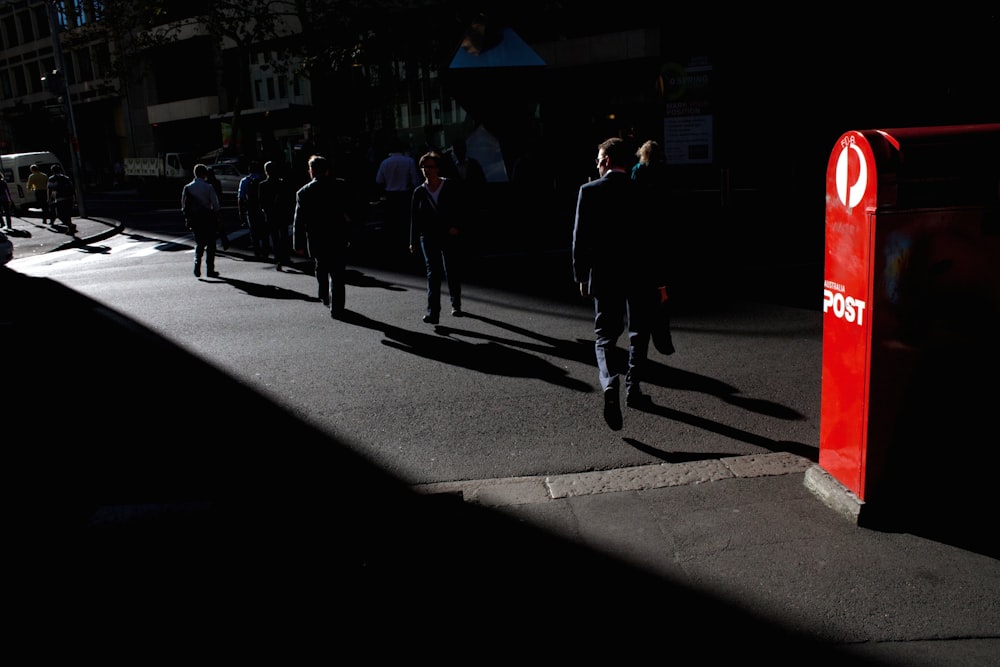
(911, 298)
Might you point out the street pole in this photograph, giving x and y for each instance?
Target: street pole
(74, 141)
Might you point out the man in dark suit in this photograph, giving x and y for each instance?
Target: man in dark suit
(321, 228)
(612, 257)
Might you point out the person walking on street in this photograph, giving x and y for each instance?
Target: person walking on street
(251, 215)
(38, 183)
(6, 202)
(61, 198)
(650, 177)
(322, 228)
(200, 206)
(612, 264)
(216, 184)
(435, 217)
(278, 203)
(466, 167)
(397, 176)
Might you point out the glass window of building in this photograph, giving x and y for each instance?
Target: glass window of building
(41, 21)
(85, 64)
(10, 31)
(27, 29)
(34, 76)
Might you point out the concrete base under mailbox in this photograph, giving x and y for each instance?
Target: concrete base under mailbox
(834, 495)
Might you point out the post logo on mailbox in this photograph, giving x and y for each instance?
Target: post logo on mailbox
(851, 185)
(850, 194)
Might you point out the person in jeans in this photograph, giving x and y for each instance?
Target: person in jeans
(62, 195)
(436, 211)
(200, 206)
(277, 201)
(6, 202)
(251, 215)
(322, 229)
(613, 264)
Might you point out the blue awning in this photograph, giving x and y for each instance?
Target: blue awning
(510, 51)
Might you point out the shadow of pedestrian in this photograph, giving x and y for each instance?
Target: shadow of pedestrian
(263, 291)
(492, 357)
(360, 279)
(576, 350)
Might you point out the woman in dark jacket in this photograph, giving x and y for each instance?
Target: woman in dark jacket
(435, 214)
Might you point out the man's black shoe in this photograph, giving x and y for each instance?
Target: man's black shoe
(430, 319)
(612, 409)
(638, 400)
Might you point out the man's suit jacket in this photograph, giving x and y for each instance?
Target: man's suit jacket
(322, 223)
(610, 248)
(435, 220)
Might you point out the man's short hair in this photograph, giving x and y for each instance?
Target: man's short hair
(201, 170)
(617, 151)
(318, 164)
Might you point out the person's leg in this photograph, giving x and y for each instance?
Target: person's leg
(451, 265)
(262, 235)
(609, 322)
(42, 206)
(322, 280)
(199, 250)
(432, 260)
(284, 245)
(639, 316)
(67, 214)
(65, 209)
(210, 254)
(338, 291)
(273, 231)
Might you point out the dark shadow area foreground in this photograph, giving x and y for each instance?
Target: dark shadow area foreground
(147, 526)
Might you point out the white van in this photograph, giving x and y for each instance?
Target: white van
(17, 166)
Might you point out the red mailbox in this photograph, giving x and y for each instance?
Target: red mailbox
(912, 269)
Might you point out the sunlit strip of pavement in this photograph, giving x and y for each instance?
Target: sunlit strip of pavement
(508, 491)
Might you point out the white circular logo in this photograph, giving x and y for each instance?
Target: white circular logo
(850, 195)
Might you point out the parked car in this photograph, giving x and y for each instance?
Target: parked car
(229, 175)
(6, 249)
